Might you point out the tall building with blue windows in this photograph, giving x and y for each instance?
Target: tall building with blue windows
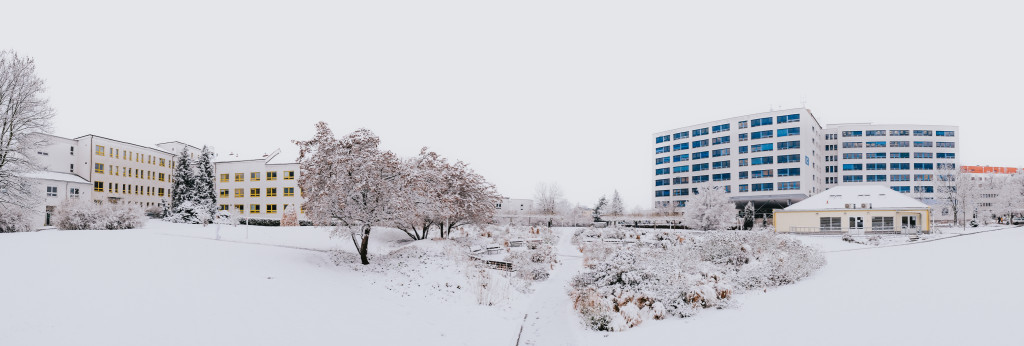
(772, 159)
(777, 158)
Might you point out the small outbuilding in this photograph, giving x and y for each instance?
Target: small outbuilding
(855, 209)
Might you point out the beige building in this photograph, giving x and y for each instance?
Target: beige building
(258, 188)
(855, 209)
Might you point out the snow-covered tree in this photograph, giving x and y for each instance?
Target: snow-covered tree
(1009, 199)
(599, 208)
(616, 208)
(468, 198)
(185, 206)
(15, 219)
(709, 209)
(956, 191)
(547, 198)
(289, 217)
(206, 194)
(24, 110)
(748, 215)
(351, 184)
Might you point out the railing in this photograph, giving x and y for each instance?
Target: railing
(814, 230)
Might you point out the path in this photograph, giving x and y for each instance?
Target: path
(551, 319)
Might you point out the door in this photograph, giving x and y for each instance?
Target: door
(909, 223)
(856, 225)
(49, 213)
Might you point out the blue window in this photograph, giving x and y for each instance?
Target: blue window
(789, 172)
(922, 177)
(744, 187)
(742, 137)
(743, 149)
(660, 150)
(944, 133)
(680, 180)
(789, 185)
(661, 193)
(876, 166)
(761, 187)
(924, 189)
(700, 143)
(660, 139)
(922, 144)
(681, 157)
(680, 135)
(879, 177)
(761, 122)
(899, 132)
(899, 166)
(944, 144)
(874, 155)
(899, 155)
(792, 118)
(680, 169)
(793, 131)
(720, 140)
(699, 132)
(853, 178)
(853, 144)
(764, 173)
(661, 182)
(680, 192)
(700, 179)
(922, 155)
(761, 161)
(700, 155)
(899, 144)
(720, 128)
(923, 166)
(744, 175)
(761, 134)
(789, 158)
(721, 177)
(853, 156)
(853, 167)
(901, 189)
(720, 164)
(661, 160)
(661, 171)
(945, 155)
(875, 144)
(789, 145)
(700, 167)
(761, 147)
(946, 166)
(922, 132)
(875, 133)
(900, 177)
(680, 204)
(853, 133)
(680, 146)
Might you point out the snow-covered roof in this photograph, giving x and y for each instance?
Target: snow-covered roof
(58, 176)
(857, 197)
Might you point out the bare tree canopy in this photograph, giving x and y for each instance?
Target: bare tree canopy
(23, 110)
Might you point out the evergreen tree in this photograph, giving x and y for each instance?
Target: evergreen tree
(616, 208)
(206, 196)
(183, 190)
(599, 208)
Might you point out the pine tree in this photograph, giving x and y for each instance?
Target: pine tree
(206, 196)
(616, 208)
(183, 191)
(599, 208)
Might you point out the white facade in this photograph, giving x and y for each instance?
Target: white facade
(258, 188)
(513, 206)
(771, 156)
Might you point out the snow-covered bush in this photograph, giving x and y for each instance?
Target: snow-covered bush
(155, 212)
(488, 286)
(628, 284)
(290, 218)
(14, 219)
(81, 214)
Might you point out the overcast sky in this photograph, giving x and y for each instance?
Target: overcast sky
(524, 91)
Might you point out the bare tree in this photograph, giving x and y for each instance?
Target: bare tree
(351, 184)
(23, 110)
(547, 198)
(956, 191)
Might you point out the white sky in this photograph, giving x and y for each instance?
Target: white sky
(524, 91)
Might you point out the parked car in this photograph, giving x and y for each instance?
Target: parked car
(1017, 220)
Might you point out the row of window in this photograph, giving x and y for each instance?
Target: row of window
(883, 177)
(51, 191)
(129, 156)
(898, 166)
(781, 119)
(256, 176)
(897, 133)
(255, 208)
(256, 192)
(100, 168)
(100, 186)
(898, 144)
(895, 155)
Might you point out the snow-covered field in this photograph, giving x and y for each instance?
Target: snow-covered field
(169, 284)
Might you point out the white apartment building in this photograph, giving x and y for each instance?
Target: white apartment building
(514, 206)
(259, 188)
(772, 158)
(780, 157)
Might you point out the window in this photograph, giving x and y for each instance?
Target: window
(271, 192)
(661, 193)
(660, 139)
(74, 192)
(720, 140)
(761, 160)
(788, 158)
(700, 179)
(223, 207)
(661, 171)
(874, 155)
(922, 155)
(742, 137)
(853, 178)
(721, 177)
(881, 223)
(792, 118)
(100, 150)
(699, 132)
(223, 193)
(875, 133)
(875, 144)
(899, 177)
(254, 192)
(239, 177)
(922, 132)
(254, 176)
(761, 134)
(700, 155)
(743, 124)
(97, 186)
(744, 175)
(720, 152)
(788, 172)
(720, 128)
(680, 180)
(699, 167)
(831, 136)
(254, 209)
(764, 173)
(162, 163)
(831, 169)
(271, 208)
(830, 224)
(876, 166)
(680, 192)
(680, 146)
(72, 168)
(160, 192)
(681, 157)
(901, 189)
(899, 155)
(945, 155)
(944, 133)
(761, 122)
(700, 143)
(946, 166)
(659, 182)
(899, 132)
(924, 189)
(289, 175)
(922, 177)
(51, 191)
(831, 158)
(742, 162)
(762, 187)
(831, 147)
(99, 168)
(876, 177)
(744, 149)
(853, 144)
(793, 131)
(224, 178)
(853, 133)
(789, 185)
(831, 180)
(853, 167)
(239, 193)
(789, 145)
(922, 144)
(761, 147)
(680, 135)
(899, 144)
(661, 160)
(660, 150)
(899, 166)
(720, 164)
(924, 166)
(744, 188)
(944, 144)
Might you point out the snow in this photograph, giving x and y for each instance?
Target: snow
(56, 176)
(173, 284)
(877, 196)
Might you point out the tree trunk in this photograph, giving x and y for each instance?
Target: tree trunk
(364, 245)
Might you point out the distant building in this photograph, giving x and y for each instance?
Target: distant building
(992, 170)
(855, 209)
(259, 188)
(514, 206)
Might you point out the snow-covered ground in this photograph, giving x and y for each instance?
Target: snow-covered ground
(171, 284)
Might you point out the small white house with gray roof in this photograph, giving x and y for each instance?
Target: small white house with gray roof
(855, 209)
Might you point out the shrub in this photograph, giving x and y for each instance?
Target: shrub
(14, 219)
(81, 214)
